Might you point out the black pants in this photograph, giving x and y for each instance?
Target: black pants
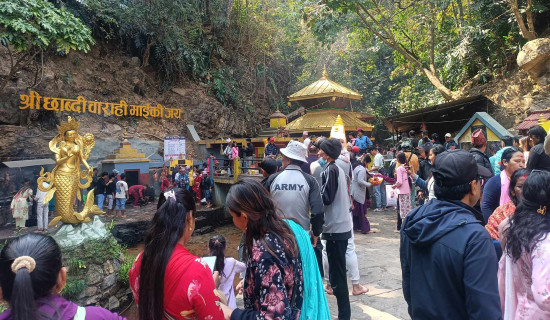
(336, 254)
(399, 220)
(319, 255)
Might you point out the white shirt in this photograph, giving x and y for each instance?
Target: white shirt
(379, 160)
(40, 195)
(307, 141)
(122, 189)
(232, 267)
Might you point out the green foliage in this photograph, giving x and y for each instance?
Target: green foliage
(29, 24)
(96, 252)
(469, 40)
(74, 287)
(123, 272)
(3, 306)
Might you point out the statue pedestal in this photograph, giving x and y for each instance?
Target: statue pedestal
(69, 235)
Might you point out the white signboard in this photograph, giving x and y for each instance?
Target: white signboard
(174, 148)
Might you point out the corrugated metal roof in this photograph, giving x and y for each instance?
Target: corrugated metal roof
(323, 120)
(324, 87)
(533, 119)
(28, 163)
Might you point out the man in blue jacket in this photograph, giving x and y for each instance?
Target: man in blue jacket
(448, 261)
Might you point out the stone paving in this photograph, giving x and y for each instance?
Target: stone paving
(380, 269)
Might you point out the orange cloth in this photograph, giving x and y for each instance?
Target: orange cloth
(500, 213)
(413, 163)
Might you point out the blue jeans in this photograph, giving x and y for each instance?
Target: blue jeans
(380, 195)
(100, 200)
(120, 204)
(207, 195)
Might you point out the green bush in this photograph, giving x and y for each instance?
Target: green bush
(74, 287)
(33, 26)
(125, 269)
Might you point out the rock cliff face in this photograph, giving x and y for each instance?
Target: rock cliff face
(522, 90)
(106, 74)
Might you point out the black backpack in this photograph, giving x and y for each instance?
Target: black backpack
(391, 168)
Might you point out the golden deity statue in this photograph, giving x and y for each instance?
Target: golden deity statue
(71, 150)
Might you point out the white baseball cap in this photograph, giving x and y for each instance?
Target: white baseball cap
(228, 140)
(448, 135)
(295, 150)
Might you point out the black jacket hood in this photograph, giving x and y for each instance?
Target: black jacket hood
(428, 223)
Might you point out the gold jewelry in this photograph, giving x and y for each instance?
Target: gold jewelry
(542, 210)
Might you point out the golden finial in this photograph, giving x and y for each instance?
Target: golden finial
(71, 124)
(339, 121)
(325, 74)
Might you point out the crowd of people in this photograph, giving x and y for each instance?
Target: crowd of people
(457, 215)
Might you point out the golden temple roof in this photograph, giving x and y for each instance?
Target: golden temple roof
(323, 120)
(324, 87)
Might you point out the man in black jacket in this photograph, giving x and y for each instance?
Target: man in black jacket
(448, 261)
(479, 145)
(248, 154)
(538, 159)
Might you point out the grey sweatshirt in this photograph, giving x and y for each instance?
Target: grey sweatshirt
(334, 190)
(296, 193)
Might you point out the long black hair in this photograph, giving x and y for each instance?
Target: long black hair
(514, 181)
(166, 229)
(530, 223)
(248, 195)
(217, 245)
(436, 150)
(23, 288)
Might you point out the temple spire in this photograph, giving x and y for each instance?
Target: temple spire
(325, 74)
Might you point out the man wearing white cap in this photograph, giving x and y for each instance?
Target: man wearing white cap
(296, 193)
(307, 140)
(450, 144)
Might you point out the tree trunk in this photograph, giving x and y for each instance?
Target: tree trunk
(228, 12)
(525, 33)
(445, 92)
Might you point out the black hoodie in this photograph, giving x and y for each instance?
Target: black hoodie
(449, 264)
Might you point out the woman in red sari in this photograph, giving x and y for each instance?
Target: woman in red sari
(187, 291)
(197, 186)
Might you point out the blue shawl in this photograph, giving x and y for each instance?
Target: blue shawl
(314, 304)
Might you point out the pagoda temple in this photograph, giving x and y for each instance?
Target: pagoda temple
(323, 101)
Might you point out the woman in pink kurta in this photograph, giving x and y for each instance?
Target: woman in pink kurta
(524, 269)
(404, 189)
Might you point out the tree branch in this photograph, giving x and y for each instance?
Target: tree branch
(530, 18)
(391, 41)
(521, 23)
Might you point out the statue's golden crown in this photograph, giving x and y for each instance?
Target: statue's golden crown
(71, 124)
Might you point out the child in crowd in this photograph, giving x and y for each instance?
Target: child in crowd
(226, 267)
